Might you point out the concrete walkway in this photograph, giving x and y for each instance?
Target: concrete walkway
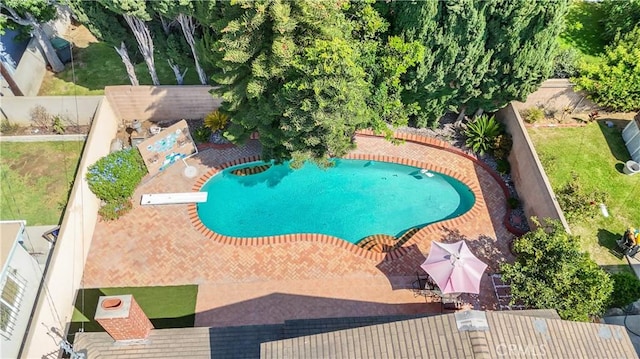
(43, 138)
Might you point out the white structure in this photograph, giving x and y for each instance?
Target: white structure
(19, 283)
(631, 137)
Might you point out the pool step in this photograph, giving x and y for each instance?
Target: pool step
(380, 243)
(383, 243)
(247, 171)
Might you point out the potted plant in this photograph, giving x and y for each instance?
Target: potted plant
(217, 122)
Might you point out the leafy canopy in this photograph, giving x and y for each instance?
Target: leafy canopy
(614, 82)
(552, 272)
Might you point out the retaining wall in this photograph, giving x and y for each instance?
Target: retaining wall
(73, 109)
(161, 103)
(532, 183)
(55, 304)
(556, 95)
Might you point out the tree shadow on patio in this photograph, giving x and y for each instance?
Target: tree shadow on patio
(483, 247)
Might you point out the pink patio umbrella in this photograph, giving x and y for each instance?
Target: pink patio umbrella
(454, 268)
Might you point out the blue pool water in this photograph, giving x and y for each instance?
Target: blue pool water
(351, 200)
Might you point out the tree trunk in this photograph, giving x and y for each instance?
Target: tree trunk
(165, 25)
(47, 49)
(122, 51)
(176, 72)
(145, 44)
(188, 29)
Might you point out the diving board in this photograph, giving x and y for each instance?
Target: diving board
(173, 198)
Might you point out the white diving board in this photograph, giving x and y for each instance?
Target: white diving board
(173, 198)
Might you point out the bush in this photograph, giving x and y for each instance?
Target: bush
(614, 81)
(481, 134)
(565, 63)
(116, 176)
(620, 17)
(533, 114)
(58, 126)
(7, 128)
(513, 202)
(503, 166)
(626, 289)
(201, 134)
(41, 117)
(216, 121)
(552, 272)
(502, 147)
(577, 203)
(115, 209)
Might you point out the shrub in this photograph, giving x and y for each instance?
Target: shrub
(481, 134)
(502, 147)
(626, 289)
(513, 202)
(503, 166)
(201, 134)
(620, 17)
(115, 209)
(614, 81)
(41, 117)
(577, 203)
(565, 63)
(58, 126)
(551, 271)
(6, 127)
(116, 176)
(216, 120)
(533, 114)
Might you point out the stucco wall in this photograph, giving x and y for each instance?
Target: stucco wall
(161, 103)
(70, 252)
(556, 94)
(532, 183)
(80, 110)
(30, 70)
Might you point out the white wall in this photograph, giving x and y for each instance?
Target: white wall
(18, 109)
(29, 270)
(70, 252)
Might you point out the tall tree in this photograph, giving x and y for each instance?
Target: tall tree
(182, 11)
(290, 72)
(105, 26)
(477, 54)
(523, 37)
(136, 13)
(551, 272)
(32, 13)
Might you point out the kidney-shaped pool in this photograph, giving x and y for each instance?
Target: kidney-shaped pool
(351, 200)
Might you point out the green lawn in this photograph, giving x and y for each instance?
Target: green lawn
(582, 30)
(166, 307)
(98, 65)
(36, 178)
(596, 153)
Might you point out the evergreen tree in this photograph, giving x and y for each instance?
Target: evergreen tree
(290, 71)
(477, 54)
(523, 37)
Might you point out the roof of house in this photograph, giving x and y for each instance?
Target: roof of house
(503, 334)
(9, 231)
(527, 333)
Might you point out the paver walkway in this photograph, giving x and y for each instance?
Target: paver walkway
(246, 285)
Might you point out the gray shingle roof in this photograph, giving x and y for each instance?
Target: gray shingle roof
(510, 334)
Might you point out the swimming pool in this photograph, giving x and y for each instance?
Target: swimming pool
(351, 200)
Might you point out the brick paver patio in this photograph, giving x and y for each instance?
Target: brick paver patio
(267, 284)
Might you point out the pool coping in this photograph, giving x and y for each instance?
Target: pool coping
(323, 238)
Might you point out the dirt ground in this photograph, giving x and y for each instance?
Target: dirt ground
(579, 118)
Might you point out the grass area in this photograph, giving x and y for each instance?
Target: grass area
(584, 27)
(166, 307)
(98, 65)
(597, 154)
(583, 30)
(36, 179)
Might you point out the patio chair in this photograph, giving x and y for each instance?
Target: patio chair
(423, 286)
